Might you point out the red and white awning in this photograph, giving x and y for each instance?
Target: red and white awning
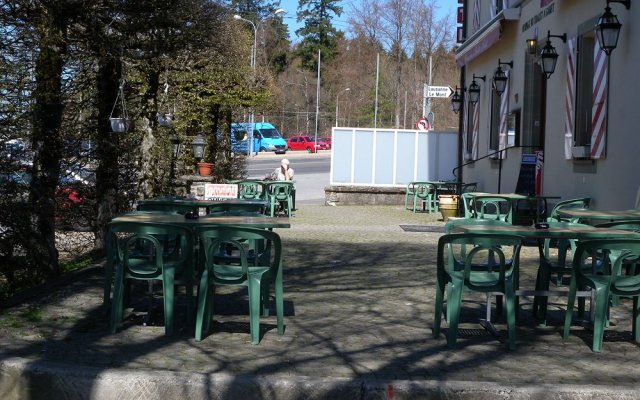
(485, 37)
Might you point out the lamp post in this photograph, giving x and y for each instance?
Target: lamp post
(253, 65)
(337, 95)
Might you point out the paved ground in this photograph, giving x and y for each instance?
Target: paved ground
(359, 304)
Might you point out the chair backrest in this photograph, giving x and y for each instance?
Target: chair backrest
(234, 270)
(493, 207)
(422, 190)
(250, 190)
(236, 209)
(581, 203)
(280, 190)
(467, 200)
(452, 254)
(150, 241)
(468, 187)
(612, 253)
(449, 226)
(166, 207)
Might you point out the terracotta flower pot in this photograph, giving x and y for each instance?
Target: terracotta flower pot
(205, 169)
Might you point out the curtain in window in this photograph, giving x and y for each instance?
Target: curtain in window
(503, 134)
(599, 97)
(476, 15)
(570, 95)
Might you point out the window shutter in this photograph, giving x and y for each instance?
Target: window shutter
(474, 132)
(570, 96)
(504, 111)
(599, 98)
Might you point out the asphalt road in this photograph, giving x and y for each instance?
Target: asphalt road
(311, 172)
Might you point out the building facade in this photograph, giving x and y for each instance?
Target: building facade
(571, 133)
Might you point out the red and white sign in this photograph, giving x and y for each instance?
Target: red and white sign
(214, 191)
(423, 125)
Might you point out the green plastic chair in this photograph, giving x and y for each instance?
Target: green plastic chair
(493, 207)
(279, 193)
(479, 265)
(501, 277)
(256, 270)
(579, 203)
(628, 225)
(251, 190)
(614, 253)
(560, 267)
(139, 252)
(420, 192)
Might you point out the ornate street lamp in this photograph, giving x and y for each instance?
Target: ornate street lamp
(500, 78)
(608, 27)
(474, 89)
(549, 56)
(197, 146)
(456, 100)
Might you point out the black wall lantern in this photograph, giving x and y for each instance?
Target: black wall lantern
(608, 28)
(548, 55)
(197, 145)
(500, 77)
(474, 89)
(456, 100)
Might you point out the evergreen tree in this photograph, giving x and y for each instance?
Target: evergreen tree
(317, 33)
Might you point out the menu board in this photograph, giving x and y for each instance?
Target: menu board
(527, 179)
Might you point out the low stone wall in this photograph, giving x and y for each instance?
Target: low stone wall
(358, 195)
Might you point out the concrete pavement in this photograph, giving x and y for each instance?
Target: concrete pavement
(358, 311)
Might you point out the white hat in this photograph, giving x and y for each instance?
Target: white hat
(284, 161)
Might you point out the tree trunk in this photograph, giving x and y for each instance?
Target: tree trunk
(108, 146)
(46, 141)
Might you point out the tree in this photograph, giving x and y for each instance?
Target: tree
(318, 32)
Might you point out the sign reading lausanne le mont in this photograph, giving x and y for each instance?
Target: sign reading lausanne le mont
(439, 91)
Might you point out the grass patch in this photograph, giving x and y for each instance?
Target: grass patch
(33, 315)
(75, 265)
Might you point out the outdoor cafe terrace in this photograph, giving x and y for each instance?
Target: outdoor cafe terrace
(359, 298)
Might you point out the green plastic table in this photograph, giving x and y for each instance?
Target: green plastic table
(198, 204)
(609, 215)
(579, 233)
(263, 222)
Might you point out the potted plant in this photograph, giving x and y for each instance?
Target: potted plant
(164, 119)
(120, 124)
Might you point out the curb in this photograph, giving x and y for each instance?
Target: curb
(21, 378)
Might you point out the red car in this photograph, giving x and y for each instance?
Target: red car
(326, 140)
(306, 143)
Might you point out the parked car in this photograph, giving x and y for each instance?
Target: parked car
(74, 210)
(306, 143)
(326, 140)
(265, 138)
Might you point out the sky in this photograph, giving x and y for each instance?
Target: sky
(291, 6)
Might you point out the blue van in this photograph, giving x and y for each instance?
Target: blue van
(265, 138)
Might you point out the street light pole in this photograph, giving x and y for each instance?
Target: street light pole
(344, 90)
(254, 54)
(255, 40)
(253, 65)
